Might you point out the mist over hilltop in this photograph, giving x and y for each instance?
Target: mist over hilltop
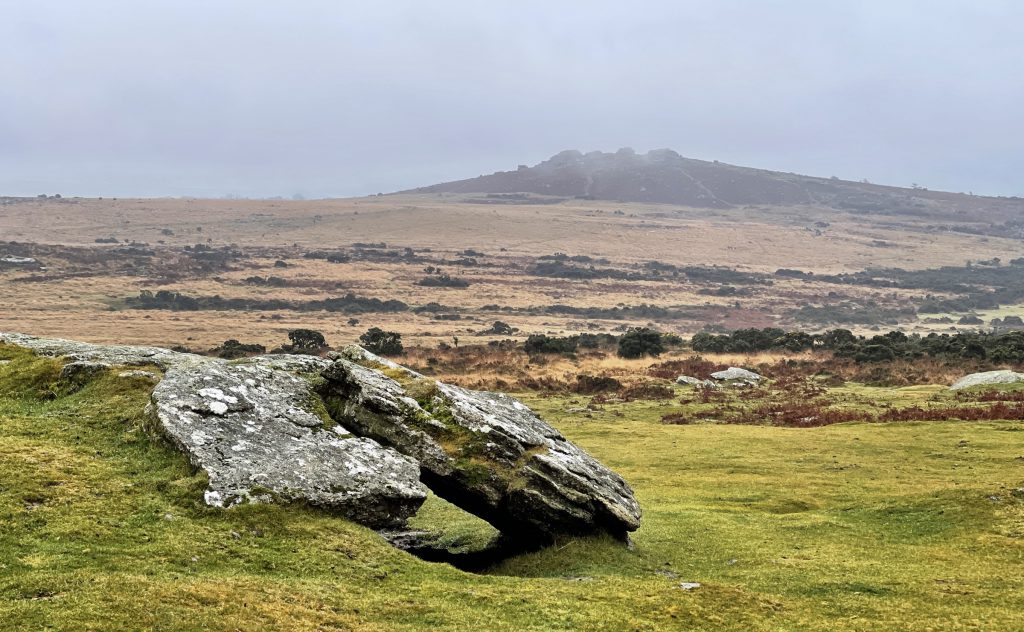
(338, 99)
(664, 176)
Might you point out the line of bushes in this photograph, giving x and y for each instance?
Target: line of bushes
(994, 347)
(176, 301)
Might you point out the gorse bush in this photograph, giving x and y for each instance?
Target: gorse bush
(442, 281)
(640, 342)
(306, 340)
(541, 343)
(385, 343)
(176, 301)
(999, 348)
(231, 349)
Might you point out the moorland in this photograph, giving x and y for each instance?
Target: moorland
(851, 489)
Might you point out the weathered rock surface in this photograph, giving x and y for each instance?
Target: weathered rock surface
(988, 378)
(260, 431)
(485, 452)
(81, 371)
(737, 374)
(145, 375)
(687, 380)
(252, 427)
(109, 354)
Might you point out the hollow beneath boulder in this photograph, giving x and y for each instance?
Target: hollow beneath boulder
(485, 452)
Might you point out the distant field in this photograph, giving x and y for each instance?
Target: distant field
(82, 291)
(757, 237)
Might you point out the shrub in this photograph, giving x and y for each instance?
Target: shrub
(306, 340)
(639, 342)
(590, 384)
(875, 353)
(501, 328)
(385, 343)
(231, 349)
(443, 280)
(540, 343)
(646, 390)
(694, 366)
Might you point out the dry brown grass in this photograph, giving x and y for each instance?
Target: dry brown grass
(755, 239)
(762, 238)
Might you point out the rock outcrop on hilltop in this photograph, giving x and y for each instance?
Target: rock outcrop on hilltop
(260, 429)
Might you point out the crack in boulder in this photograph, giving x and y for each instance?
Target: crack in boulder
(485, 452)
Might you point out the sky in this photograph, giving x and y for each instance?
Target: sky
(332, 98)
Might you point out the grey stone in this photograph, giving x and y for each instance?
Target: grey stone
(252, 428)
(79, 372)
(87, 352)
(687, 380)
(734, 373)
(258, 430)
(18, 261)
(145, 375)
(689, 585)
(486, 452)
(988, 378)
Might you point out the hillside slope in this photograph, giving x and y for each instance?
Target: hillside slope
(664, 176)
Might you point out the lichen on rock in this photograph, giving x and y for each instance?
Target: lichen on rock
(357, 434)
(251, 428)
(486, 452)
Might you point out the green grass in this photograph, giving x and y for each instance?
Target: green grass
(848, 527)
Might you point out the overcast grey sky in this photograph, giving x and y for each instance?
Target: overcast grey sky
(334, 98)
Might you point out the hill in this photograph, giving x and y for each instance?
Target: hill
(663, 176)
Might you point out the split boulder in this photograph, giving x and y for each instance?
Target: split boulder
(485, 452)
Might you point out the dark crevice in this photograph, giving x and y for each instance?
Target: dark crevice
(424, 545)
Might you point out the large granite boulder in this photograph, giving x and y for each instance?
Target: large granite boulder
(486, 452)
(357, 434)
(988, 378)
(260, 433)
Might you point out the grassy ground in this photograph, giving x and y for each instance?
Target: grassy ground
(851, 526)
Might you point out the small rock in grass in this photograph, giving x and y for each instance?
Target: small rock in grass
(689, 585)
(78, 373)
(986, 378)
(734, 373)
